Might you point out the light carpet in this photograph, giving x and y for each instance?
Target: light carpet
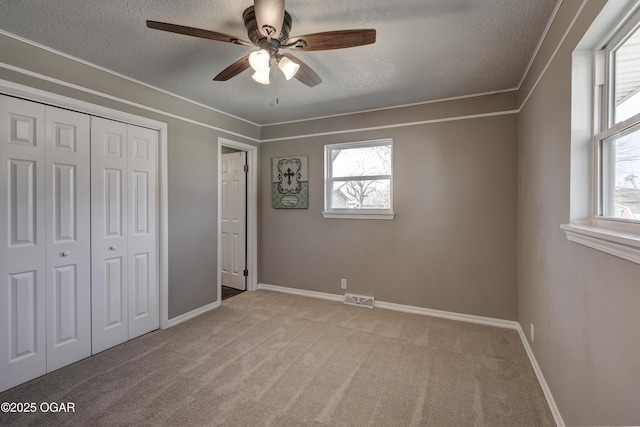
(271, 359)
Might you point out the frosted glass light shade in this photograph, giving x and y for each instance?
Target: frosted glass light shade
(261, 77)
(288, 67)
(259, 60)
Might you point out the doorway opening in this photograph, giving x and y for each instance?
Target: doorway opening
(237, 218)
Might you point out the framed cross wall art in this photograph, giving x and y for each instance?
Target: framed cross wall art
(290, 182)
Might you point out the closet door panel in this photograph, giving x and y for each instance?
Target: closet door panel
(22, 242)
(142, 241)
(68, 237)
(109, 215)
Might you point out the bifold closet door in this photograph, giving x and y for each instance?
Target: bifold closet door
(23, 352)
(144, 313)
(68, 239)
(110, 320)
(124, 253)
(44, 240)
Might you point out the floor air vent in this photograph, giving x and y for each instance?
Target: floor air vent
(360, 300)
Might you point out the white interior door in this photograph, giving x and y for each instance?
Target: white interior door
(68, 237)
(22, 242)
(142, 232)
(109, 227)
(233, 219)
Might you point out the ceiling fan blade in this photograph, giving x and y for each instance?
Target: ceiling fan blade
(269, 15)
(305, 74)
(332, 40)
(233, 70)
(197, 32)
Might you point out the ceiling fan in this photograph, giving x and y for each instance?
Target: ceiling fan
(268, 26)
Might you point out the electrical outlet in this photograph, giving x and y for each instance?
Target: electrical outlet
(533, 336)
(343, 283)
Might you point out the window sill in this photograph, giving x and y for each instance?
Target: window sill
(616, 243)
(359, 215)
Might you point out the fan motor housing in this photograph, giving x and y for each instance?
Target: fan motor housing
(256, 36)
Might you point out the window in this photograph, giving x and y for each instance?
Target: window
(605, 134)
(618, 140)
(358, 180)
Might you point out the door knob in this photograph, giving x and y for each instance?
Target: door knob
(65, 253)
(113, 247)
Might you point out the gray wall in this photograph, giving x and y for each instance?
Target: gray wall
(193, 215)
(584, 303)
(452, 244)
(192, 160)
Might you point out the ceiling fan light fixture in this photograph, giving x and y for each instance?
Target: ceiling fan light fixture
(288, 67)
(261, 77)
(268, 26)
(259, 60)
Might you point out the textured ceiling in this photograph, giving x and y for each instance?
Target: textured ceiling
(425, 49)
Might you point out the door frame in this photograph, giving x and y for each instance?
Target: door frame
(55, 100)
(252, 213)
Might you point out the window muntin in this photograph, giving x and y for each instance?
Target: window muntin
(358, 178)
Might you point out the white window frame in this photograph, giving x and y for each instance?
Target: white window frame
(604, 126)
(615, 236)
(329, 179)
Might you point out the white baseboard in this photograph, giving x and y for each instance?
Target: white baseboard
(500, 323)
(543, 383)
(301, 292)
(489, 321)
(193, 313)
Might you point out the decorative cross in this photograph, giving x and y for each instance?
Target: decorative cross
(289, 174)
